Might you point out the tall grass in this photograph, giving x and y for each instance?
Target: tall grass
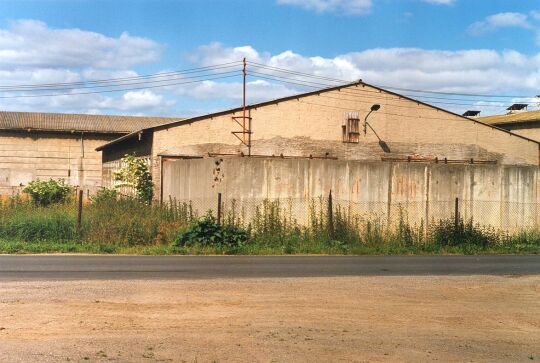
(25, 221)
(123, 221)
(112, 224)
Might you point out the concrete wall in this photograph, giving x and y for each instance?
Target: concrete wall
(26, 156)
(506, 197)
(312, 123)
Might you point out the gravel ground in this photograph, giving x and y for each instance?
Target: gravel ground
(348, 319)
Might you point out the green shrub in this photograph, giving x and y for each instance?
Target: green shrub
(206, 231)
(48, 192)
(135, 174)
(105, 195)
(446, 233)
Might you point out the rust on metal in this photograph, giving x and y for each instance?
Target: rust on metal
(280, 156)
(245, 124)
(420, 159)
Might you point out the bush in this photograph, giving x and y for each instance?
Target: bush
(105, 195)
(44, 193)
(446, 233)
(207, 232)
(135, 174)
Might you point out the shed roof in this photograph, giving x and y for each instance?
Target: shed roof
(512, 118)
(62, 122)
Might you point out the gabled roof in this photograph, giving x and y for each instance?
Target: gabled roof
(62, 122)
(512, 118)
(311, 93)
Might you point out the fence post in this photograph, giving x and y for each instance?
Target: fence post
(219, 208)
(79, 211)
(456, 214)
(330, 216)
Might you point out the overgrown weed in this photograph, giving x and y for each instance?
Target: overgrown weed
(116, 224)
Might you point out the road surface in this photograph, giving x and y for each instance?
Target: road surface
(72, 267)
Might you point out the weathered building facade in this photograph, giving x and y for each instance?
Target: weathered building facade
(60, 146)
(522, 123)
(330, 123)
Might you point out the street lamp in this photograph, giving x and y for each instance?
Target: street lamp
(374, 108)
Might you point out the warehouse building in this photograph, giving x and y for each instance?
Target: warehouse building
(518, 120)
(356, 121)
(53, 145)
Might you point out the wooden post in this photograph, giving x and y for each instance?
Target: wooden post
(330, 216)
(219, 208)
(79, 211)
(456, 214)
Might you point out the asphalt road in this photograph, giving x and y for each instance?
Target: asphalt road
(69, 267)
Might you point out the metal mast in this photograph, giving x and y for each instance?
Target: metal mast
(245, 138)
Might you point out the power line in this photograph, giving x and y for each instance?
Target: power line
(303, 83)
(260, 75)
(112, 80)
(277, 69)
(118, 90)
(148, 82)
(379, 112)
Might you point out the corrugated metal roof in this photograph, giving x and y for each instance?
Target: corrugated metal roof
(78, 122)
(529, 116)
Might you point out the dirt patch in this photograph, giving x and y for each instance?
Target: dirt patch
(349, 319)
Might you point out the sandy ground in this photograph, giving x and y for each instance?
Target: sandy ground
(346, 319)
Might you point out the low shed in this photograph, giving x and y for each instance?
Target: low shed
(525, 123)
(54, 145)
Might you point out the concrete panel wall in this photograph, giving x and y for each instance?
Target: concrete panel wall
(28, 156)
(505, 197)
(313, 125)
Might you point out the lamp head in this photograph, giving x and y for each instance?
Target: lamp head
(375, 107)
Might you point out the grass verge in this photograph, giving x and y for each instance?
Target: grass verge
(37, 247)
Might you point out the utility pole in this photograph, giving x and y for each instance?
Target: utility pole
(244, 73)
(245, 139)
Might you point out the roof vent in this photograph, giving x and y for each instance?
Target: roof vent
(471, 113)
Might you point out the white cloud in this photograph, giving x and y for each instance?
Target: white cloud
(215, 53)
(135, 100)
(349, 7)
(466, 71)
(31, 43)
(500, 20)
(257, 91)
(31, 52)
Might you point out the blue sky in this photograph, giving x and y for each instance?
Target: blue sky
(480, 46)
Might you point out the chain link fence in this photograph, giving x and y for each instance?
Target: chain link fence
(511, 217)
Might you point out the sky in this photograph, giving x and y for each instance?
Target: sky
(486, 48)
